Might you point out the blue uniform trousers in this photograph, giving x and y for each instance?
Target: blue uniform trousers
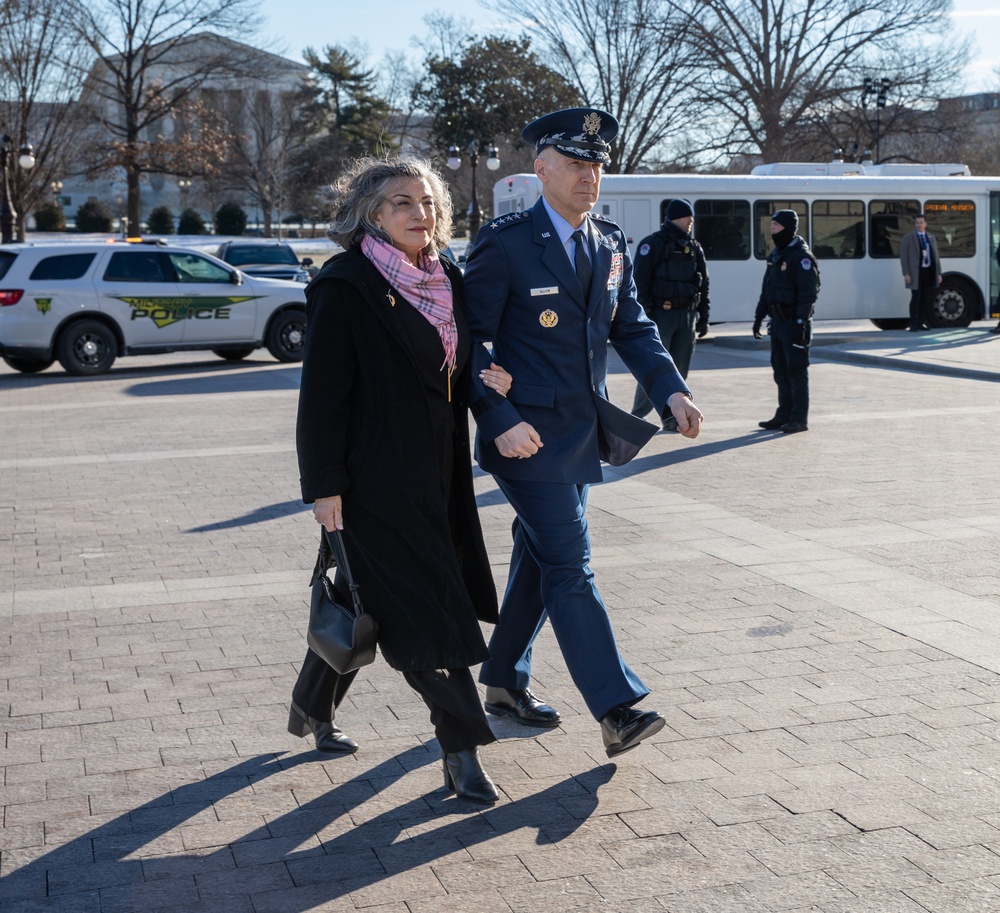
(550, 576)
(677, 333)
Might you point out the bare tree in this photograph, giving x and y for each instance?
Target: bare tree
(446, 36)
(627, 57)
(39, 81)
(263, 128)
(153, 57)
(780, 78)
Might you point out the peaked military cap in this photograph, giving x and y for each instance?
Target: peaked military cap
(580, 133)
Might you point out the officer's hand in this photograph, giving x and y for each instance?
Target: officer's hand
(800, 336)
(688, 415)
(519, 443)
(702, 328)
(756, 329)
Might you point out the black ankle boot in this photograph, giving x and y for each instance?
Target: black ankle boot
(464, 774)
(328, 736)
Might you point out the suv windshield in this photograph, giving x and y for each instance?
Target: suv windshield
(241, 256)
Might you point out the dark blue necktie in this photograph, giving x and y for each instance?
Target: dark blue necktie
(584, 271)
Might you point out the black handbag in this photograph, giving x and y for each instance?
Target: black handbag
(340, 630)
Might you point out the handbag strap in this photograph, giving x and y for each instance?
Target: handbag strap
(333, 554)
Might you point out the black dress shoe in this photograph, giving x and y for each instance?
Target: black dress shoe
(465, 775)
(624, 727)
(521, 707)
(328, 736)
(793, 427)
(995, 329)
(772, 424)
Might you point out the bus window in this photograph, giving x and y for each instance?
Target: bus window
(953, 224)
(722, 227)
(888, 221)
(762, 212)
(838, 229)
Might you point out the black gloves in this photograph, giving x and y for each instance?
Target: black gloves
(801, 336)
(756, 328)
(702, 328)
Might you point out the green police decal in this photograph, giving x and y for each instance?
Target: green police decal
(164, 311)
(44, 305)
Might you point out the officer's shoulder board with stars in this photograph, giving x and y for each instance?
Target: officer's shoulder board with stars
(512, 218)
(607, 220)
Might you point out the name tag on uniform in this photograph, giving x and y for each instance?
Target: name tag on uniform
(550, 290)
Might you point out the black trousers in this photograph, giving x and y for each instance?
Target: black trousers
(790, 367)
(450, 695)
(922, 298)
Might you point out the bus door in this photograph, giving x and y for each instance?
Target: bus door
(992, 306)
(637, 221)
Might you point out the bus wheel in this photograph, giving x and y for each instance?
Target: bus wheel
(954, 304)
(891, 323)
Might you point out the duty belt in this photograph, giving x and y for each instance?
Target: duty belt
(692, 305)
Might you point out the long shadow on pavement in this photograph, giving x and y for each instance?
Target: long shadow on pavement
(683, 455)
(260, 515)
(103, 870)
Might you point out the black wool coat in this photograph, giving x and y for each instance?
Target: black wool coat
(364, 432)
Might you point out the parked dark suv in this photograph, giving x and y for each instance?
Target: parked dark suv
(265, 257)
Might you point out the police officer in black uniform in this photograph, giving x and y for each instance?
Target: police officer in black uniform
(788, 297)
(671, 280)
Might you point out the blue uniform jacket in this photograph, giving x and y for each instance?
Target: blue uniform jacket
(524, 301)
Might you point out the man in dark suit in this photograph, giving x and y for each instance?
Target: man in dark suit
(918, 256)
(548, 289)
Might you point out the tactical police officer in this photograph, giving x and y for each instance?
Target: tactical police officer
(671, 281)
(788, 297)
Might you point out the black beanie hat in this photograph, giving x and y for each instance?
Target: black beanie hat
(678, 209)
(786, 218)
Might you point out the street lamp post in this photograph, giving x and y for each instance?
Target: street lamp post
(492, 162)
(183, 185)
(879, 90)
(26, 160)
(56, 188)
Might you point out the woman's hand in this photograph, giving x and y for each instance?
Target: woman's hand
(329, 512)
(496, 378)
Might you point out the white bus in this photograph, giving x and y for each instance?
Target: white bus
(852, 215)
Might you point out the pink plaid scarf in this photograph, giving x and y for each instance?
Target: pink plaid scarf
(426, 287)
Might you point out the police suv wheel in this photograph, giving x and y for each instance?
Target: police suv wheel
(286, 335)
(87, 347)
(28, 365)
(234, 354)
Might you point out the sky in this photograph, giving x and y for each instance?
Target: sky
(389, 25)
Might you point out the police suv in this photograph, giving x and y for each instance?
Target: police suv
(86, 304)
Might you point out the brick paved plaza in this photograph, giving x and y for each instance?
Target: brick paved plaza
(818, 616)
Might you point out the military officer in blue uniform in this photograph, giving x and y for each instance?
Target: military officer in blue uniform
(546, 290)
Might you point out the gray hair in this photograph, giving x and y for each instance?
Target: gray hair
(361, 190)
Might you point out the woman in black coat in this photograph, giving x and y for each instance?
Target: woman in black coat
(383, 449)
